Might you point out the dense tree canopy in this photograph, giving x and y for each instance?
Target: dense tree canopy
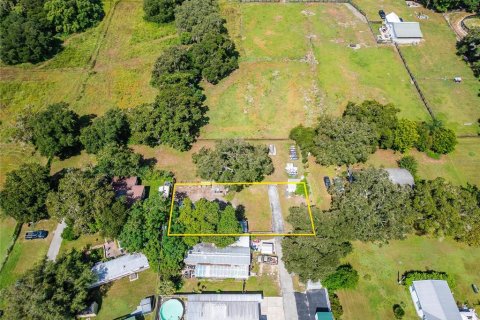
(318, 256)
(405, 135)
(174, 119)
(115, 160)
(345, 277)
(382, 117)
(215, 56)
(55, 131)
(434, 136)
(470, 48)
(447, 5)
(50, 290)
(233, 161)
(208, 217)
(372, 208)
(109, 128)
(160, 11)
(197, 18)
(70, 16)
(175, 59)
(25, 192)
(447, 210)
(81, 199)
(113, 218)
(25, 33)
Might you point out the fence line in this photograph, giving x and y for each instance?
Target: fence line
(16, 233)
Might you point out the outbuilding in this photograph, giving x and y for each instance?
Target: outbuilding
(403, 32)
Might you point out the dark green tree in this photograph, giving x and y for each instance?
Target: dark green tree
(109, 128)
(314, 257)
(345, 277)
(82, 197)
(160, 11)
(382, 117)
(55, 131)
(111, 221)
(174, 119)
(50, 290)
(443, 140)
(405, 135)
(115, 160)
(233, 161)
(197, 18)
(25, 192)
(25, 33)
(409, 163)
(175, 59)
(469, 47)
(215, 56)
(71, 16)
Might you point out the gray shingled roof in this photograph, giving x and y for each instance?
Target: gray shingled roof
(223, 306)
(436, 300)
(407, 30)
(400, 176)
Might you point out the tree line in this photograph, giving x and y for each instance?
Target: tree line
(31, 30)
(448, 5)
(365, 127)
(373, 209)
(469, 48)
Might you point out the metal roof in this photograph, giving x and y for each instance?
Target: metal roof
(119, 268)
(206, 253)
(400, 176)
(436, 300)
(392, 17)
(222, 271)
(223, 306)
(407, 30)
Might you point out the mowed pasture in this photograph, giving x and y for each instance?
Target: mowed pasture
(378, 268)
(434, 64)
(296, 64)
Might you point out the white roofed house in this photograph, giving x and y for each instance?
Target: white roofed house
(127, 265)
(403, 32)
(223, 306)
(210, 261)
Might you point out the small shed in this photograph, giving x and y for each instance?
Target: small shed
(400, 176)
(89, 312)
(267, 247)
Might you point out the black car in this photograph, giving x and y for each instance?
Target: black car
(327, 182)
(39, 234)
(382, 14)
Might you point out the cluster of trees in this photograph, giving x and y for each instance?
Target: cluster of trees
(208, 217)
(447, 5)
(366, 126)
(29, 28)
(233, 161)
(469, 47)
(178, 113)
(50, 290)
(415, 275)
(373, 209)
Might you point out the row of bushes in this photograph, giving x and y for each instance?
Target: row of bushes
(366, 126)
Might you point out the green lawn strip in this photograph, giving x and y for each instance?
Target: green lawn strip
(7, 226)
(81, 243)
(26, 253)
(378, 267)
(123, 296)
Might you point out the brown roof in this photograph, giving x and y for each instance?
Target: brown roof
(137, 192)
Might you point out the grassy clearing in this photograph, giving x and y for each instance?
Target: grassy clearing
(123, 296)
(374, 297)
(473, 23)
(81, 243)
(26, 253)
(257, 207)
(7, 226)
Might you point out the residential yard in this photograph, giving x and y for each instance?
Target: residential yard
(81, 243)
(378, 267)
(123, 296)
(7, 227)
(26, 253)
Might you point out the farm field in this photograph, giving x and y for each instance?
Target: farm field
(378, 289)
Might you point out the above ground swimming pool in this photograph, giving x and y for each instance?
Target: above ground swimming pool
(171, 310)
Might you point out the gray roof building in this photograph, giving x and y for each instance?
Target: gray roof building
(434, 301)
(243, 306)
(120, 267)
(400, 176)
(407, 30)
(213, 262)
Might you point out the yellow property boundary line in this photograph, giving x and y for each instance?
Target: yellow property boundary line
(240, 234)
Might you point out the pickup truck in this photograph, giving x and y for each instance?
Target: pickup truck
(39, 234)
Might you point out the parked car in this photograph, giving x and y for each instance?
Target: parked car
(327, 182)
(39, 234)
(382, 14)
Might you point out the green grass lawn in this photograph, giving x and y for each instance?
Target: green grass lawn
(26, 253)
(123, 296)
(378, 290)
(7, 226)
(81, 243)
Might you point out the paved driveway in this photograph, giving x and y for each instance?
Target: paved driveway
(56, 241)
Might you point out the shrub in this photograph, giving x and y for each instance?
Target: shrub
(335, 305)
(409, 163)
(398, 311)
(415, 275)
(345, 277)
(69, 234)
